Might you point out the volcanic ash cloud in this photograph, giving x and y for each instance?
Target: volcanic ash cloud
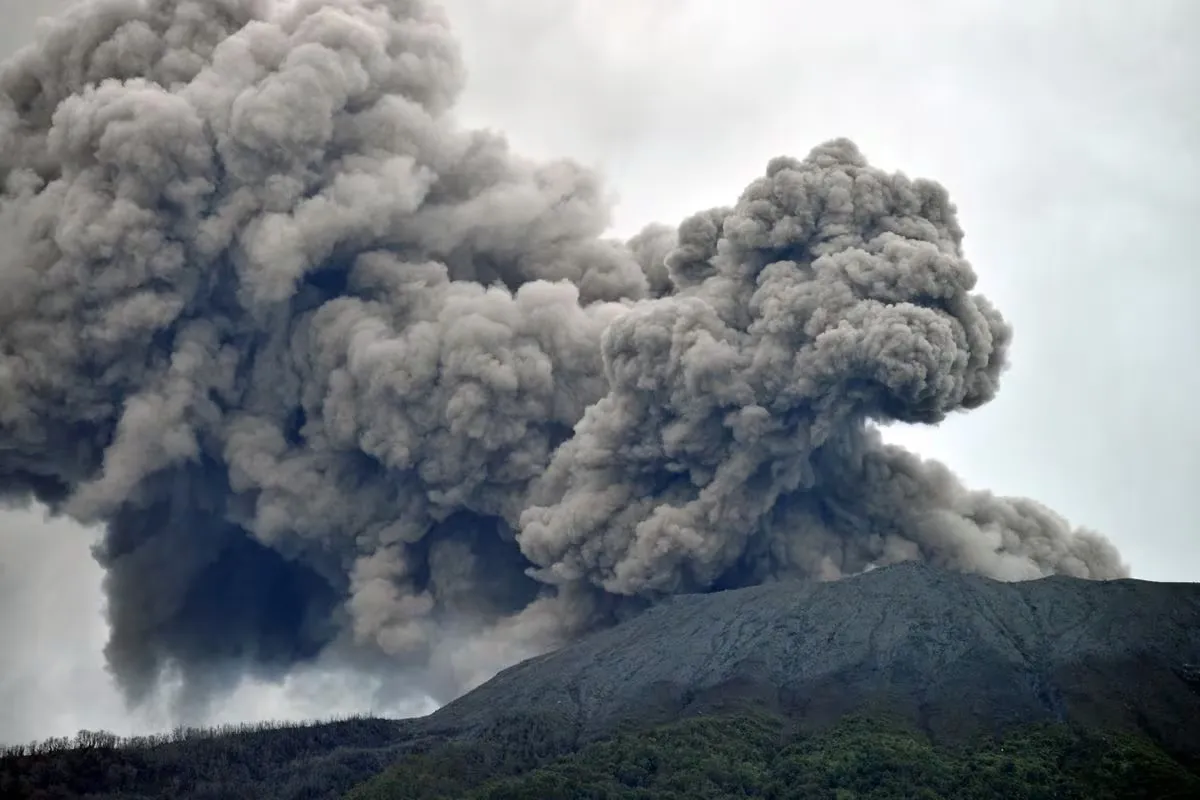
(339, 376)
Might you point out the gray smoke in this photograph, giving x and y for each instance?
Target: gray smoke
(339, 376)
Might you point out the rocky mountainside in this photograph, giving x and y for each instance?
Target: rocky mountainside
(954, 654)
(750, 692)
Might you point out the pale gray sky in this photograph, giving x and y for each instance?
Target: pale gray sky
(1068, 133)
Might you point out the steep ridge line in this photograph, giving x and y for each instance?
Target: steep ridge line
(955, 654)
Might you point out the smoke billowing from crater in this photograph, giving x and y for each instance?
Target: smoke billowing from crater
(338, 375)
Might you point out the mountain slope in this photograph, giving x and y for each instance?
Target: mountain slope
(1096, 682)
(754, 755)
(956, 654)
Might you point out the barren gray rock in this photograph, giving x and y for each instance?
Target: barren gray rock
(956, 654)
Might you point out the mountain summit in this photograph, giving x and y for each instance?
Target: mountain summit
(900, 680)
(953, 653)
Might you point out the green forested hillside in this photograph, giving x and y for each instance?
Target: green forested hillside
(755, 756)
(318, 760)
(743, 754)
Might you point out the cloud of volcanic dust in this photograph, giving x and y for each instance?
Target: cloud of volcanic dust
(338, 375)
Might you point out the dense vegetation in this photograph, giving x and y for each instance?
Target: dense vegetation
(735, 755)
(755, 756)
(261, 761)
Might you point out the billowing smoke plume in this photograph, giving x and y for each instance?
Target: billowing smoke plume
(338, 375)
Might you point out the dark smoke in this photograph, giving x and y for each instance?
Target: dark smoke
(338, 375)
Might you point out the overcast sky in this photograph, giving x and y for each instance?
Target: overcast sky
(1068, 133)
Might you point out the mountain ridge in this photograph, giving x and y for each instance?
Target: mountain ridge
(972, 652)
(1019, 680)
